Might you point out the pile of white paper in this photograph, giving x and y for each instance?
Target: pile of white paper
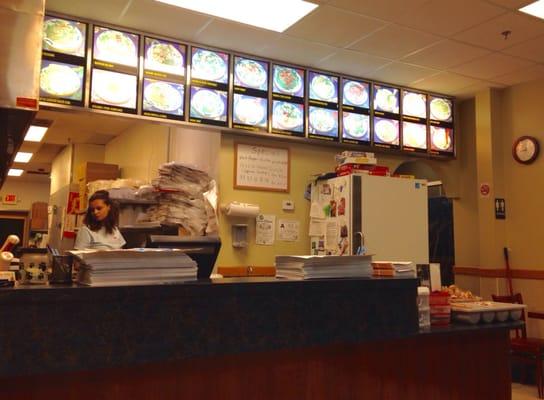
(134, 267)
(183, 198)
(309, 267)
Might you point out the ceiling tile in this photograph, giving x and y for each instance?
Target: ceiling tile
(384, 9)
(489, 34)
(234, 36)
(446, 17)
(401, 73)
(531, 50)
(445, 54)
(511, 4)
(333, 26)
(444, 82)
(353, 63)
(297, 51)
(166, 20)
(100, 10)
(394, 42)
(531, 73)
(491, 66)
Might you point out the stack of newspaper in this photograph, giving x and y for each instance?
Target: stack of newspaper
(394, 268)
(309, 267)
(134, 267)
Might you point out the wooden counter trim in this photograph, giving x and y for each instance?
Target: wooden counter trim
(499, 272)
(244, 270)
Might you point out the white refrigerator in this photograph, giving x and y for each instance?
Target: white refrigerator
(389, 214)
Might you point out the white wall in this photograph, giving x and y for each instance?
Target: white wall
(198, 147)
(27, 193)
(139, 151)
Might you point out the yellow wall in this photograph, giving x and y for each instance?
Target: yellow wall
(27, 193)
(306, 160)
(61, 169)
(139, 151)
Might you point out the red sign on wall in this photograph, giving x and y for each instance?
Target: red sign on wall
(9, 199)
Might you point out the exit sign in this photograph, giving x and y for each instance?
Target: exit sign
(9, 199)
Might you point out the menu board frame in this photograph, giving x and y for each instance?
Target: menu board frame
(316, 105)
(287, 100)
(229, 126)
(350, 108)
(65, 60)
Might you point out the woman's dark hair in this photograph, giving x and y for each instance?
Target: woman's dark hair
(111, 221)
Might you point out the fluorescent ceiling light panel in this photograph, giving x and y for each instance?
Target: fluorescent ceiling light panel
(35, 133)
(22, 157)
(275, 15)
(536, 9)
(15, 172)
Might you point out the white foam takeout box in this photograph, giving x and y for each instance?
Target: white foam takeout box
(486, 311)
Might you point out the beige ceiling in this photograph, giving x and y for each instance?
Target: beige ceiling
(453, 47)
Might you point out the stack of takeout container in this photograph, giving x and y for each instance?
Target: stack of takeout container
(439, 301)
(362, 162)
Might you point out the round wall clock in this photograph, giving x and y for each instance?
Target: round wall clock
(525, 149)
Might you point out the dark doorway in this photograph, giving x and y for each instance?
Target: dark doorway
(14, 223)
(441, 242)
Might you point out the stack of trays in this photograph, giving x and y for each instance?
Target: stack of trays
(486, 311)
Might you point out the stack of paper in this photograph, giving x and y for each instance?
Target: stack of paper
(134, 267)
(394, 268)
(184, 199)
(309, 267)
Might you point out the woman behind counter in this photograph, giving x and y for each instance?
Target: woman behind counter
(100, 230)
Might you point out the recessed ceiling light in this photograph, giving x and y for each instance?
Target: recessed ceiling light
(275, 15)
(15, 172)
(35, 133)
(536, 9)
(22, 157)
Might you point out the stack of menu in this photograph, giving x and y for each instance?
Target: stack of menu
(134, 267)
(183, 190)
(310, 267)
(394, 268)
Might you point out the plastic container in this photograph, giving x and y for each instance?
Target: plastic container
(423, 306)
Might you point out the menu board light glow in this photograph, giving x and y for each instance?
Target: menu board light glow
(414, 135)
(210, 65)
(441, 139)
(113, 91)
(250, 110)
(288, 116)
(414, 104)
(164, 56)
(113, 46)
(64, 36)
(61, 81)
(386, 131)
(323, 122)
(386, 99)
(208, 104)
(441, 109)
(356, 127)
(163, 98)
(250, 74)
(323, 87)
(288, 80)
(356, 93)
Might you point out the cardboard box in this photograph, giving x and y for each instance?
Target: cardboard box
(93, 171)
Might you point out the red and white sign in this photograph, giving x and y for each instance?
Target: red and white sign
(9, 199)
(485, 189)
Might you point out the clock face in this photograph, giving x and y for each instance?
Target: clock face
(525, 149)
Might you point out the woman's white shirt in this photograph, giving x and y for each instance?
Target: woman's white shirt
(98, 240)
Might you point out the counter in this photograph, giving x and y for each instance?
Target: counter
(253, 338)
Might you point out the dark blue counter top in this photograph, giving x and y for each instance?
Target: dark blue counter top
(68, 328)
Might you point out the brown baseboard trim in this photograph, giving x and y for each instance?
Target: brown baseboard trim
(499, 273)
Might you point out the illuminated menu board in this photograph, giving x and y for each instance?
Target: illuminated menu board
(355, 111)
(163, 91)
(114, 80)
(250, 98)
(386, 116)
(288, 100)
(414, 121)
(209, 87)
(441, 122)
(323, 106)
(62, 74)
